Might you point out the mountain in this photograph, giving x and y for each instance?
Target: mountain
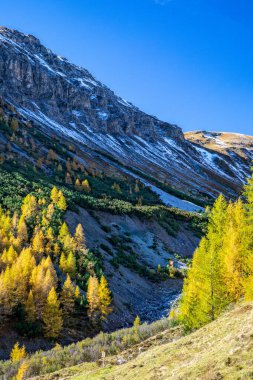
(236, 148)
(117, 171)
(66, 102)
(131, 235)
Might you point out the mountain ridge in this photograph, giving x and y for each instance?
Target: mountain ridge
(66, 101)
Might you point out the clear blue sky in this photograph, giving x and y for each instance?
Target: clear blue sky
(189, 62)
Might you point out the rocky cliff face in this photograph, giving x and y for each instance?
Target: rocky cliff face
(35, 79)
(68, 102)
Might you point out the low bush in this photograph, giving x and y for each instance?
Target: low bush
(87, 350)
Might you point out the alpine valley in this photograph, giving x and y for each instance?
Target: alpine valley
(99, 201)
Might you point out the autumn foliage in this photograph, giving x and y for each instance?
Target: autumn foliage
(222, 267)
(41, 266)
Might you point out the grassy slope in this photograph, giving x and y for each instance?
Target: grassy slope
(221, 350)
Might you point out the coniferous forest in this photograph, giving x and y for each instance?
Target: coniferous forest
(46, 272)
(222, 268)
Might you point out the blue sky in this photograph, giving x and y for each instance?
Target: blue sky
(188, 62)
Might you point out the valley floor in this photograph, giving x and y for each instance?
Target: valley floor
(221, 350)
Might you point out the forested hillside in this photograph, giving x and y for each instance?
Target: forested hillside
(72, 239)
(220, 275)
(222, 267)
(44, 270)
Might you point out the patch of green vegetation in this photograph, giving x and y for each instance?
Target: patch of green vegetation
(18, 182)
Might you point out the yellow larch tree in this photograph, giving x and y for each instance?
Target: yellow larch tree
(68, 299)
(18, 353)
(93, 297)
(38, 244)
(52, 316)
(62, 204)
(79, 238)
(54, 195)
(105, 298)
(30, 308)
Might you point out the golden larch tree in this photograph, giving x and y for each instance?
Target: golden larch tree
(52, 316)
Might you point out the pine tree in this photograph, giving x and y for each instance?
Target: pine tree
(50, 277)
(77, 293)
(63, 263)
(59, 168)
(235, 250)
(10, 256)
(54, 195)
(14, 223)
(51, 155)
(30, 308)
(86, 186)
(38, 288)
(64, 232)
(29, 207)
(68, 300)
(71, 265)
(80, 238)
(50, 212)
(62, 204)
(17, 353)
(38, 244)
(204, 292)
(26, 262)
(56, 250)
(69, 244)
(22, 231)
(137, 323)
(105, 299)
(52, 316)
(50, 239)
(77, 184)
(93, 297)
(136, 188)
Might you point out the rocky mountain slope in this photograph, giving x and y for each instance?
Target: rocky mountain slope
(221, 350)
(129, 245)
(235, 148)
(67, 102)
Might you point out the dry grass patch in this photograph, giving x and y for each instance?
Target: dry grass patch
(221, 350)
